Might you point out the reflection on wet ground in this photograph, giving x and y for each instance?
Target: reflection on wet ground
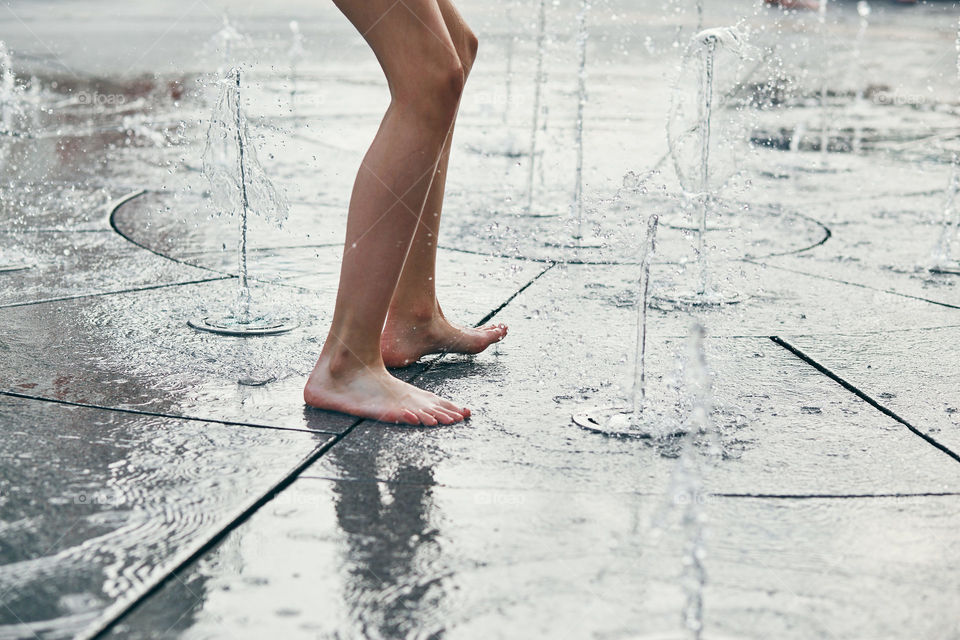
(161, 482)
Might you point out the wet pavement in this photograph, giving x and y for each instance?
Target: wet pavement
(160, 482)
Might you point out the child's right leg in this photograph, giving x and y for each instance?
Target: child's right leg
(426, 79)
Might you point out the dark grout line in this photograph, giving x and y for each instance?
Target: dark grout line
(852, 284)
(863, 396)
(100, 294)
(111, 218)
(747, 496)
(516, 293)
(828, 233)
(157, 414)
(17, 232)
(113, 615)
(835, 496)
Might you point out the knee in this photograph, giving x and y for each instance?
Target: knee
(434, 93)
(471, 44)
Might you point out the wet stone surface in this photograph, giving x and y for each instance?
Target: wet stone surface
(96, 503)
(811, 509)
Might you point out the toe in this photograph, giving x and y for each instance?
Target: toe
(447, 405)
(426, 418)
(408, 417)
(445, 417)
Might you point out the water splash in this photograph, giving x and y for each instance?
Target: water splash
(687, 485)
(508, 73)
(537, 97)
(11, 100)
(643, 300)
(707, 58)
(224, 41)
(238, 184)
(863, 10)
(582, 36)
(942, 257)
(11, 108)
(695, 169)
(824, 107)
(295, 55)
(640, 418)
(708, 42)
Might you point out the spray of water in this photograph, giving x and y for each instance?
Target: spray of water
(10, 99)
(699, 178)
(581, 106)
(238, 184)
(508, 73)
(639, 392)
(689, 487)
(863, 10)
(942, 255)
(957, 47)
(824, 110)
(10, 109)
(295, 55)
(705, 115)
(537, 96)
(224, 41)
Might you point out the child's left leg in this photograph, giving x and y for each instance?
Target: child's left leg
(416, 325)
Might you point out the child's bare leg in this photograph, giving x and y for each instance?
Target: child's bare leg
(416, 324)
(426, 79)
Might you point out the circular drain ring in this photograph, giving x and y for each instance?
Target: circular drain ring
(230, 326)
(827, 234)
(128, 200)
(593, 420)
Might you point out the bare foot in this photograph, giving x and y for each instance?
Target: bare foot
(371, 392)
(405, 341)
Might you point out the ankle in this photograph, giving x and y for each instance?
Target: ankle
(341, 362)
(420, 313)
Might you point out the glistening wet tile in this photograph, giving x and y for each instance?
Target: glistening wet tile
(870, 568)
(909, 372)
(135, 350)
(74, 264)
(415, 558)
(96, 504)
(783, 427)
